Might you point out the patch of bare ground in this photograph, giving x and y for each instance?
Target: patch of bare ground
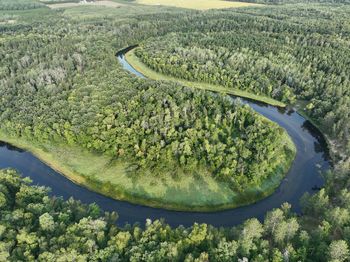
(12, 21)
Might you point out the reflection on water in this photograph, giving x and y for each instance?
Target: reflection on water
(289, 110)
(320, 145)
(10, 147)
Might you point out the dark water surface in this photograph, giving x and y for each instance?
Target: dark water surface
(304, 175)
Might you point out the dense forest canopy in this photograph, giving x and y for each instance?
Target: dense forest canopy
(57, 87)
(59, 81)
(285, 60)
(34, 226)
(19, 4)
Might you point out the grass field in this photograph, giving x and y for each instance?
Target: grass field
(195, 192)
(98, 3)
(125, 9)
(136, 63)
(197, 4)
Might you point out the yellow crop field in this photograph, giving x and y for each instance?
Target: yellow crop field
(197, 4)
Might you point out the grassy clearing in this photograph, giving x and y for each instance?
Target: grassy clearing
(92, 12)
(197, 4)
(126, 9)
(136, 63)
(195, 192)
(98, 3)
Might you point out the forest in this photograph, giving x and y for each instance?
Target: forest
(60, 83)
(35, 226)
(286, 61)
(52, 92)
(19, 4)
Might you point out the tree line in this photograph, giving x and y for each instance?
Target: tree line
(19, 4)
(56, 87)
(55, 84)
(274, 57)
(35, 226)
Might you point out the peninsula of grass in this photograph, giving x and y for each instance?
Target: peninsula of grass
(138, 65)
(195, 192)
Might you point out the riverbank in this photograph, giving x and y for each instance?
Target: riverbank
(335, 150)
(138, 65)
(199, 192)
(335, 154)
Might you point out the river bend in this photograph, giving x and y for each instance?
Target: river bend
(303, 176)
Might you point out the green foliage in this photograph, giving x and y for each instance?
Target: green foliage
(59, 81)
(43, 228)
(279, 52)
(216, 58)
(57, 87)
(338, 251)
(19, 4)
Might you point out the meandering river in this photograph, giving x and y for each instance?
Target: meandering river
(304, 175)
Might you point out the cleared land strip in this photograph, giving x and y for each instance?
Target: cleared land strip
(97, 3)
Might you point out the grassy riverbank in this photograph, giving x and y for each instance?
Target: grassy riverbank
(197, 192)
(136, 63)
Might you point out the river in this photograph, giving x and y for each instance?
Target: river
(304, 175)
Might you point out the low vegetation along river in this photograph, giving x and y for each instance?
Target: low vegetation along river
(304, 175)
